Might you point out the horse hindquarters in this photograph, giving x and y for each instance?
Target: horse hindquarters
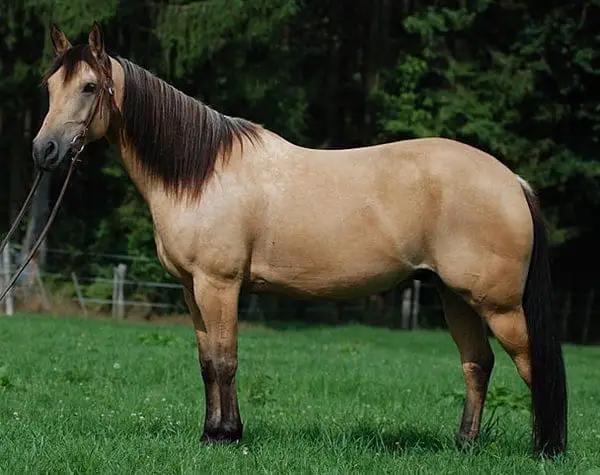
(488, 272)
(530, 335)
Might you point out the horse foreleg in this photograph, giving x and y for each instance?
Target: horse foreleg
(212, 420)
(218, 305)
(468, 332)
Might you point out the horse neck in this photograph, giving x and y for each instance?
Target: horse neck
(214, 144)
(134, 168)
(117, 136)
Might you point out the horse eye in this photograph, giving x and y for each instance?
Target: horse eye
(89, 87)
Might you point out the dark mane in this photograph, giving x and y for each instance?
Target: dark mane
(177, 138)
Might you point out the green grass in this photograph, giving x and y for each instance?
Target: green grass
(95, 396)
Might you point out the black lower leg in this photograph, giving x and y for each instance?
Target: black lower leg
(477, 376)
(229, 427)
(231, 424)
(212, 418)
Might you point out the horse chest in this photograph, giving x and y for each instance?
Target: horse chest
(167, 259)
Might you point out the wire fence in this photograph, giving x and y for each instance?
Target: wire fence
(414, 304)
(411, 306)
(43, 283)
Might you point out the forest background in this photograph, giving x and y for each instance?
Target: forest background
(518, 79)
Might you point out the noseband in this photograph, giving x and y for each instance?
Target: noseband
(75, 148)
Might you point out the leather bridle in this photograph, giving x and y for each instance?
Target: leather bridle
(75, 148)
(106, 88)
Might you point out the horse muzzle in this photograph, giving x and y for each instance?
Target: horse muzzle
(49, 153)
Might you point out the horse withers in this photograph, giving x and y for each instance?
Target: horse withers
(236, 207)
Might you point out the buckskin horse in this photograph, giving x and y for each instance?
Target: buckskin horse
(235, 207)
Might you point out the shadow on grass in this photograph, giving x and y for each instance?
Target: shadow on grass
(359, 436)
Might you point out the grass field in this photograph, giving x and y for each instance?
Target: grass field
(94, 396)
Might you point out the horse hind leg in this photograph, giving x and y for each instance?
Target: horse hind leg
(522, 322)
(510, 328)
(466, 324)
(477, 359)
(538, 359)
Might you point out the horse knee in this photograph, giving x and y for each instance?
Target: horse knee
(225, 363)
(204, 356)
(207, 369)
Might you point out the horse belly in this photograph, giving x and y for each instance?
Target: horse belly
(354, 231)
(338, 274)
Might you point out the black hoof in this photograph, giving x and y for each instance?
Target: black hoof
(465, 442)
(221, 436)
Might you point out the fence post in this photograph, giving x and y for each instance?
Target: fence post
(121, 269)
(79, 293)
(46, 302)
(114, 292)
(415, 305)
(406, 304)
(9, 303)
(255, 311)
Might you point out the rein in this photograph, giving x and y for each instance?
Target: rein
(75, 148)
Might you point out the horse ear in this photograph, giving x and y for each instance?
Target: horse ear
(95, 40)
(60, 43)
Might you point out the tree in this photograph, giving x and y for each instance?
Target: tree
(517, 79)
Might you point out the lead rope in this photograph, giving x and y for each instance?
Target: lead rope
(108, 87)
(44, 231)
(19, 217)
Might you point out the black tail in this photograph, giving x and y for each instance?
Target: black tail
(548, 380)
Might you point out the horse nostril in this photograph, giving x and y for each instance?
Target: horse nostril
(45, 153)
(51, 149)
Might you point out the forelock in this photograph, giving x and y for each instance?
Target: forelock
(71, 60)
